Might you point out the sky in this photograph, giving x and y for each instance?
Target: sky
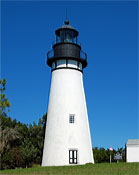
(108, 32)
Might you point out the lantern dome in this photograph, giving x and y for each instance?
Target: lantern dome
(66, 33)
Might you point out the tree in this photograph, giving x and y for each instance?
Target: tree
(123, 152)
(37, 134)
(100, 155)
(9, 137)
(11, 159)
(21, 145)
(28, 152)
(4, 102)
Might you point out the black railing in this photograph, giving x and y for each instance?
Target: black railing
(83, 55)
(51, 55)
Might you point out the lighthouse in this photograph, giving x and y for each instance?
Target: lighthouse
(67, 136)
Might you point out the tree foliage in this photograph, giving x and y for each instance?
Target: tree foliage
(103, 155)
(20, 145)
(9, 136)
(4, 102)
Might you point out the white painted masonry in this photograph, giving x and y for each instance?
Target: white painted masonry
(132, 150)
(67, 97)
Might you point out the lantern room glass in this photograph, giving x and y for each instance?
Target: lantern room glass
(66, 35)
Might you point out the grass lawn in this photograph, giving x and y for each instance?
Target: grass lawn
(89, 169)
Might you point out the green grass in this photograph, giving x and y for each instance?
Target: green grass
(89, 169)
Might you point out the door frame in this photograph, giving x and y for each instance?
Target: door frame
(73, 158)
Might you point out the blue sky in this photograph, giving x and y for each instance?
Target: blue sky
(108, 32)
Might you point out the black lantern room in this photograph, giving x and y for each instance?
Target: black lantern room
(66, 47)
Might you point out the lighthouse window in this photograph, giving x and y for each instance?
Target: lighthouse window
(78, 65)
(71, 118)
(57, 39)
(66, 63)
(55, 64)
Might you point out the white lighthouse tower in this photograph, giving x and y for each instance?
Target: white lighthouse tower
(67, 137)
